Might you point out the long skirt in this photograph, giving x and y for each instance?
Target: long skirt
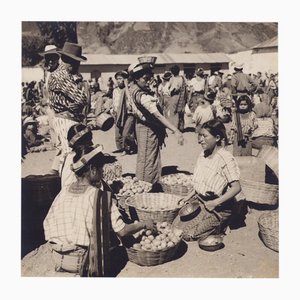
(170, 107)
(148, 157)
(239, 150)
(202, 225)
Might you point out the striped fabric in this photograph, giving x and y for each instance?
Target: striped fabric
(64, 94)
(215, 172)
(70, 218)
(61, 127)
(148, 158)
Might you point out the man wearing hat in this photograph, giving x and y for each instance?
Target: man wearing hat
(67, 99)
(51, 63)
(241, 82)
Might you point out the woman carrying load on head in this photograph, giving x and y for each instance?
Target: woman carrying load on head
(78, 224)
(215, 184)
(150, 123)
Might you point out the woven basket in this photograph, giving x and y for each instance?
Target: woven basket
(151, 258)
(176, 189)
(268, 224)
(269, 155)
(260, 192)
(157, 206)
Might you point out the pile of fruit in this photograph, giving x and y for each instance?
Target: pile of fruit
(163, 237)
(111, 171)
(128, 186)
(178, 179)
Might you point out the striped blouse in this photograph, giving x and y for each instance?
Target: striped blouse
(215, 172)
(69, 220)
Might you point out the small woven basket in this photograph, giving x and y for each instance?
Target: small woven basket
(268, 224)
(151, 258)
(260, 192)
(159, 207)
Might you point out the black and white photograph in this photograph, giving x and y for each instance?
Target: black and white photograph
(149, 149)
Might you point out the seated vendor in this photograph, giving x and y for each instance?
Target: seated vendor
(78, 224)
(216, 184)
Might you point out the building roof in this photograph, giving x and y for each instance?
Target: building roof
(162, 58)
(273, 42)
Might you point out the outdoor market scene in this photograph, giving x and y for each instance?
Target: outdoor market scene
(148, 163)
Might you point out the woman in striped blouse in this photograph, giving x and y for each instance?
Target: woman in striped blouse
(216, 184)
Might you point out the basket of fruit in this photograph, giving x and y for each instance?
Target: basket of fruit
(260, 192)
(128, 186)
(157, 247)
(159, 207)
(268, 224)
(111, 171)
(177, 184)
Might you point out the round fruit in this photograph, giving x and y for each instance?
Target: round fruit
(170, 244)
(151, 237)
(148, 232)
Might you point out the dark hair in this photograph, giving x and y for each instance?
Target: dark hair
(216, 128)
(82, 141)
(244, 98)
(175, 70)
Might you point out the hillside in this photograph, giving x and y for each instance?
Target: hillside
(175, 37)
(147, 37)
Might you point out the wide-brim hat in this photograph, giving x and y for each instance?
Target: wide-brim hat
(73, 51)
(238, 67)
(134, 69)
(49, 49)
(210, 96)
(199, 71)
(29, 120)
(167, 75)
(85, 159)
(122, 73)
(78, 136)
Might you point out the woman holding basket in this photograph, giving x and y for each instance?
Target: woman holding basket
(215, 185)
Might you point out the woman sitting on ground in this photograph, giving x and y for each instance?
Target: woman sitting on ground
(78, 224)
(216, 184)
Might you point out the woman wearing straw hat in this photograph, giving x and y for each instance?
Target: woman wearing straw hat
(150, 124)
(78, 227)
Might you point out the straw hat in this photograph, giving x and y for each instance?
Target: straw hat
(73, 51)
(49, 49)
(86, 158)
(238, 67)
(167, 75)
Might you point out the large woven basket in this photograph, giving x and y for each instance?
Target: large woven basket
(269, 155)
(159, 207)
(260, 192)
(151, 258)
(268, 224)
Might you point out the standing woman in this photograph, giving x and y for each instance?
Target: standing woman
(150, 125)
(216, 184)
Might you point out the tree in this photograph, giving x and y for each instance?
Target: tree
(58, 33)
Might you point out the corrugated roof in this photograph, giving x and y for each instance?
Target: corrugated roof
(273, 42)
(162, 58)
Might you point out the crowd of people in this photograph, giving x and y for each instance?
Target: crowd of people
(239, 109)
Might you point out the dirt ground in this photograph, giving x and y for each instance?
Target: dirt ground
(244, 254)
